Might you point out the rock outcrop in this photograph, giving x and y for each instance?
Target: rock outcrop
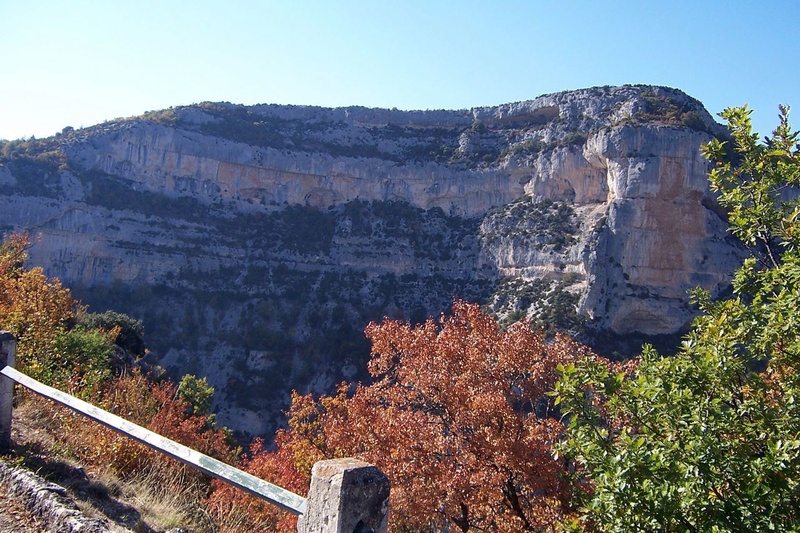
(49, 502)
(258, 241)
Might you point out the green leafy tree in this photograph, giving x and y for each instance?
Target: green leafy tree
(130, 336)
(708, 440)
(82, 364)
(197, 393)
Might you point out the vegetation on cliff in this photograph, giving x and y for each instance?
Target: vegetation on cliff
(275, 234)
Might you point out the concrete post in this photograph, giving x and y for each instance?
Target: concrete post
(346, 496)
(8, 356)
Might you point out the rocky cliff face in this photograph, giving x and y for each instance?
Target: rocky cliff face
(256, 242)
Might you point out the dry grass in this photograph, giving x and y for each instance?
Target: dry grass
(161, 497)
(162, 505)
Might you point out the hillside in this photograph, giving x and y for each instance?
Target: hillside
(256, 242)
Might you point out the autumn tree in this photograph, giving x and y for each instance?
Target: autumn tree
(32, 306)
(458, 418)
(284, 466)
(35, 308)
(707, 440)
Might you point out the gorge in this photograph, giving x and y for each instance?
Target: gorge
(256, 242)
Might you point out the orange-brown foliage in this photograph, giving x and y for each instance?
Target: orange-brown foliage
(457, 418)
(156, 407)
(461, 411)
(236, 511)
(32, 306)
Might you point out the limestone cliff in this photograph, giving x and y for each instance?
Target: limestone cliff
(256, 242)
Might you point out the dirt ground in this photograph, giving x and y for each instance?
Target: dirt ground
(15, 518)
(29, 440)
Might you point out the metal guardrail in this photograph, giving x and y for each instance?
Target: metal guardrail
(346, 495)
(286, 500)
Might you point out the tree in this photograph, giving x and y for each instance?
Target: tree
(457, 417)
(197, 394)
(131, 332)
(35, 308)
(458, 420)
(708, 440)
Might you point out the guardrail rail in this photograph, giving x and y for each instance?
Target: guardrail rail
(346, 495)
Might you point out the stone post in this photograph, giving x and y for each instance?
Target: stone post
(346, 496)
(8, 356)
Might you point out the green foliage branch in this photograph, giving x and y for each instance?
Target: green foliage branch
(707, 440)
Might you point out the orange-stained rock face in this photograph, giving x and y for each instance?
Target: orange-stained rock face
(645, 186)
(666, 231)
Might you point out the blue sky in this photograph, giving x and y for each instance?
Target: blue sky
(78, 63)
